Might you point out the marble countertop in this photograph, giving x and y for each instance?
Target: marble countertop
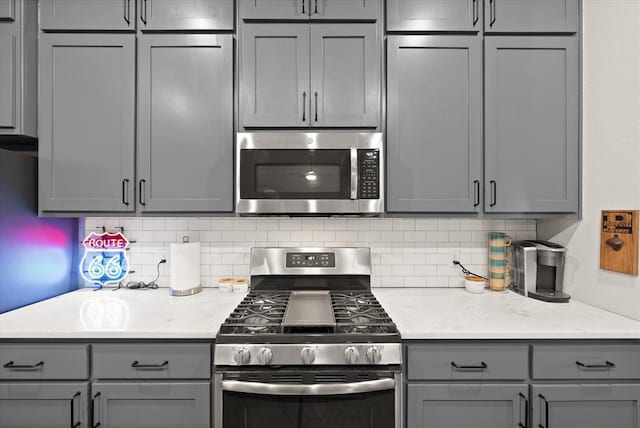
(442, 313)
(418, 313)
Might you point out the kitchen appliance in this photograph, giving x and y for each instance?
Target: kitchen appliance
(310, 173)
(538, 270)
(309, 346)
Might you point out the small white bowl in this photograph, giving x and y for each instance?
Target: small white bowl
(226, 285)
(474, 285)
(240, 286)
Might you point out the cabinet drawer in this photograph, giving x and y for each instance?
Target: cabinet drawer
(465, 362)
(44, 361)
(587, 361)
(152, 361)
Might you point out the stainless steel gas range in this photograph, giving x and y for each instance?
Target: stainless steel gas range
(309, 346)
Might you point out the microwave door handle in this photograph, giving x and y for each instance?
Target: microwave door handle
(313, 389)
(354, 173)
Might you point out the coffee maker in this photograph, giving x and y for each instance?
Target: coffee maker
(538, 270)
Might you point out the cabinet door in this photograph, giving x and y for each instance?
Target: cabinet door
(8, 78)
(43, 405)
(586, 406)
(274, 77)
(531, 124)
(7, 10)
(151, 405)
(275, 9)
(185, 14)
(185, 122)
(526, 16)
(87, 15)
(467, 405)
(86, 111)
(434, 15)
(353, 10)
(434, 123)
(345, 75)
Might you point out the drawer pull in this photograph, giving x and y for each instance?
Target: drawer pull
(137, 365)
(606, 365)
(480, 366)
(526, 411)
(73, 411)
(12, 365)
(544, 412)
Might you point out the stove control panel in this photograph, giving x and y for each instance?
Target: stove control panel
(313, 260)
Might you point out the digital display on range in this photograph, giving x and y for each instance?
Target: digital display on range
(305, 260)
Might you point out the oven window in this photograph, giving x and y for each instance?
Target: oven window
(366, 410)
(295, 174)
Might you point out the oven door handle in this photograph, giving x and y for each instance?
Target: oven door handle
(354, 173)
(314, 389)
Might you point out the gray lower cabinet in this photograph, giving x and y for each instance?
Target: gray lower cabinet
(467, 405)
(303, 10)
(526, 16)
(434, 123)
(434, 15)
(87, 15)
(86, 126)
(531, 124)
(7, 10)
(18, 68)
(185, 123)
(318, 75)
(185, 15)
(43, 405)
(345, 75)
(151, 404)
(274, 75)
(586, 405)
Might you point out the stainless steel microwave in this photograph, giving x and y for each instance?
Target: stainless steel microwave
(310, 173)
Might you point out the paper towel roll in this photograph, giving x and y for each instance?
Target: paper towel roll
(184, 270)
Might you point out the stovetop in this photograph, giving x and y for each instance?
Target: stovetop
(260, 318)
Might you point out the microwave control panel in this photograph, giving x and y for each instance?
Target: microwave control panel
(369, 174)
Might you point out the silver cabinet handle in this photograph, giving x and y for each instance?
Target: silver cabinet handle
(143, 12)
(492, 12)
(316, 102)
(304, 106)
(95, 422)
(314, 389)
(354, 173)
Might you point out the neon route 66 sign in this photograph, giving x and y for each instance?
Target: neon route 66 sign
(105, 259)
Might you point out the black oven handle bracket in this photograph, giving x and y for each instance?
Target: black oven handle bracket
(312, 389)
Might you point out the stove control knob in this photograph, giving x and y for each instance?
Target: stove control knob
(243, 356)
(308, 355)
(374, 355)
(265, 355)
(351, 355)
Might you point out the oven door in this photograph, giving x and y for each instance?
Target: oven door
(360, 404)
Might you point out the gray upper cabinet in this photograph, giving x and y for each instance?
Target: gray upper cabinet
(18, 68)
(434, 123)
(274, 78)
(43, 405)
(185, 122)
(531, 124)
(87, 15)
(303, 10)
(434, 15)
(7, 10)
(318, 75)
(151, 405)
(468, 405)
(185, 15)
(526, 16)
(345, 75)
(586, 406)
(86, 128)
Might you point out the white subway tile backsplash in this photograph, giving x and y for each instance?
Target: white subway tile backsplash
(405, 252)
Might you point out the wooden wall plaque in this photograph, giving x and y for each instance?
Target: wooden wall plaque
(619, 241)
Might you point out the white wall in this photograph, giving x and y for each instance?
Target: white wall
(611, 152)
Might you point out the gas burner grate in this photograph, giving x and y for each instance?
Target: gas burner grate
(360, 313)
(258, 313)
